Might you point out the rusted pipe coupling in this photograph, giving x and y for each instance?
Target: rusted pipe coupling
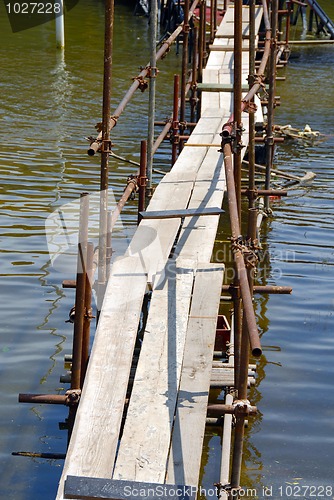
(89, 314)
(270, 141)
(227, 135)
(174, 138)
(242, 407)
(72, 397)
(142, 82)
(106, 146)
(142, 181)
(133, 179)
(250, 106)
(152, 71)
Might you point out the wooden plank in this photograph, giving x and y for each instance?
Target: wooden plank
(188, 433)
(187, 212)
(197, 236)
(146, 436)
(95, 435)
(153, 239)
(94, 488)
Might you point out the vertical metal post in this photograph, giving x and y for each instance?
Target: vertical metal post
(288, 20)
(251, 145)
(201, 45)
(237, 167)
(80, 293)
(236, 328)
(151, 105)
(215, 18)
(242, 395)
(185, 57)
(241, 336)
(226, 449)
(310, 20)
(175, 123)
(60, 31)
(212, 16)
(87, 311)
(105, 151)
(237, 97)
(271, 100)
(237, 161)
(193, 100)
(201, 41)
(142, 178)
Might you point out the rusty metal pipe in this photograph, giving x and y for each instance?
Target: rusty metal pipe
(251, 144)
(142, 178)
(88, 311)
(262, 289)
(201, 40)
(175, 122)
(260, 77)
(138, 82)
(185, 56)
(217, 410)
(193, 99)
(265, 192)
(237, 97)
(238, 257)
(105, 151)
(48, 399)
(162, 136)
(271, 100)
(152, 87)
(132, 186)
(80, 292)
(32, 454)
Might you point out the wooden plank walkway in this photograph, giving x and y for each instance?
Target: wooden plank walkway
(162, 437)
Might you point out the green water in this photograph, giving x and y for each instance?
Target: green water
(49, 104)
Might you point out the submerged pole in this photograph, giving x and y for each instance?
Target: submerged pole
(60, 32)
(105, 151)
(151, 105)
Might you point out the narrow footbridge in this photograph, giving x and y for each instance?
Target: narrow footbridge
(141, 419)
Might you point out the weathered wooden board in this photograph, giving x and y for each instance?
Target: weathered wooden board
(145, 442)
(95, 434)
(188, 432)
(187, 212)
(94, 488)
(226, 27)
(153, 239)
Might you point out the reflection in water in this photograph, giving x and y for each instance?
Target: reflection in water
(54, 304)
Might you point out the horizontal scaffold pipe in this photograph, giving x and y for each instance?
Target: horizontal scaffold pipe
(139, 80)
